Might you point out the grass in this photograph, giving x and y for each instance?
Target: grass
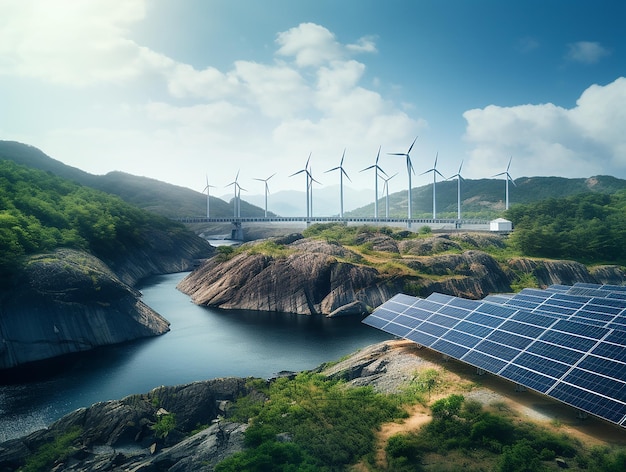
(50, 453)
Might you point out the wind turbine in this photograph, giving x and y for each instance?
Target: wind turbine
(311, 187)
(459, 178)
(208, 191)
(409, 169)
(267, 190)
(507, 177)
(386, 192)
(376, 168)
(308, 185)
(236, 205)
(435, 172)
(342, 172)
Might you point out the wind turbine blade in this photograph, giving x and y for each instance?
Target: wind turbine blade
(380, 169)
(270, 176)
(368, 168)
(342, 156)
(412, 145)
(436, 171)
(396, 153)
(330, 170)
(507, 167)
(299, 172)
(346, 174)
(307, 161)
(378, 155)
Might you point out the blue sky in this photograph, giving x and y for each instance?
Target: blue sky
(176, 90)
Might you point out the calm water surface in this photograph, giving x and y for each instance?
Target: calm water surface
(203, 343)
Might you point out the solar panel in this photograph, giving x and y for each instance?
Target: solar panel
(559, 342)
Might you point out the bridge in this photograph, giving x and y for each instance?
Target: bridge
(237, 231)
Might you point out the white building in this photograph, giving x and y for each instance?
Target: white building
(500, 224)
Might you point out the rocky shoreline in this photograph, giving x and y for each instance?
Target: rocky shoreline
(68, 301)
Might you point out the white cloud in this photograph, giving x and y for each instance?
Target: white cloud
(73, 43)
(586, 52)
(365, 44)
(311, 45)
(545, 139)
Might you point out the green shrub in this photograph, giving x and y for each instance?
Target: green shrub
(164, 425)
(50, 453)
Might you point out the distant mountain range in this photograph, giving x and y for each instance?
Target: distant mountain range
(482, 198)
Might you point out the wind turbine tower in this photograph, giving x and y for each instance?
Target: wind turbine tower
(208, 197)
(309, 186)
(435, 172)
(236, 201)
(507, 178)
(342, 172)
(376, 168)
(409, 170)
(267, 190)
(458, 191)
(386, 192)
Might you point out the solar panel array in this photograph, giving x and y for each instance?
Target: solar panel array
(567, 342)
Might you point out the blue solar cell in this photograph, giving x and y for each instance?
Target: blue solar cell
(557, 310)
(472, 328)
(465, 303)
(397, 330)
(534, 319)
(402, 298)
(501, 351)
(439, 298)
(433, 329)
(521, 304)
(568, 340)
(580, 329)
(535, 380)
(406, 320)
(541, 364)
(375, 322)
(452, 350)
(616, 337)
(610, 351)
(443, 320)
(393, 306)
(421, 338)
(508, 339)
(458, 313)
(461, 338)
(479, 359)
(428, 305)
(569, 356)
(482, 319)
(596, 383)
(604, 407)
(587, 315)
(495, 310)
(614, 302)
(611, 368)
(522, 328)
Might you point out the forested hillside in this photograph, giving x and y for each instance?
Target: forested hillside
(40, 212)
(485, 198)
(587, 227)
(165, 199)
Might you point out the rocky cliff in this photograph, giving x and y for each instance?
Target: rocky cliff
(313, 276)
(69, 301)
(314, 279)
(125, 435)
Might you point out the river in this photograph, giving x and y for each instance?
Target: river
(203, 343)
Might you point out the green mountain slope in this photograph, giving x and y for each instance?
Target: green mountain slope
(485, 198)
(153, 195)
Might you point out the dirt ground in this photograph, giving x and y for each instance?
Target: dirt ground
(500, 395)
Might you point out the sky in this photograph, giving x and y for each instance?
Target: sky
(186, 91)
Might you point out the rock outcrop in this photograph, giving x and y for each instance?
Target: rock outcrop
(311, 276)
(69, 301)
(306, 282)
(124, 434)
